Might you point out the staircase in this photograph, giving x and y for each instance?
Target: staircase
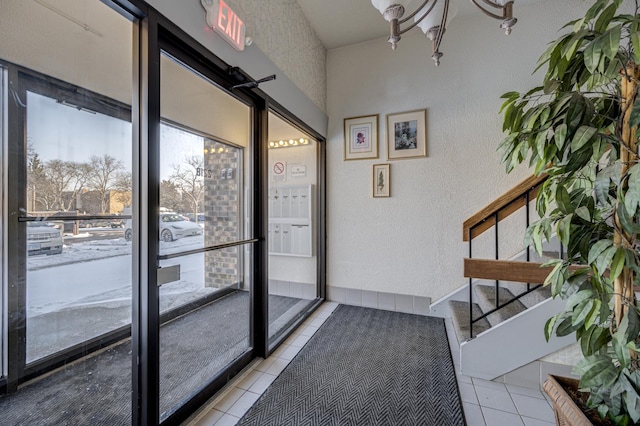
(499, 316)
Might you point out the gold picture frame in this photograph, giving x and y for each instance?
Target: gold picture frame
(381, 180)
(361, 137)
(407, 134)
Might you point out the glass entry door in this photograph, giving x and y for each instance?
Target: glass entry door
(205, 294)
(3, 225)
(293, 224)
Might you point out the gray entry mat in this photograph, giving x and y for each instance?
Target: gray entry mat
(366, 367)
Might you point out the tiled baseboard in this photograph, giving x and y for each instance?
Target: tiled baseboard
(292, 289)
(379, 300)
(534, 374)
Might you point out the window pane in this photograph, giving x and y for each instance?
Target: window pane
(69, 112)
(3, 224)
(293, 262)
(203, 143)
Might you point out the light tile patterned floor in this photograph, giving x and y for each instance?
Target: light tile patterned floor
(489, 403)
(485, 403)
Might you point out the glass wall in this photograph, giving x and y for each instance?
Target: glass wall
(78, 271)
(70, 145)
(293, 226)
(3, 224)
(203, 145)
(74, 160)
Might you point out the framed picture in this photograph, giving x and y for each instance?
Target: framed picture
(381, 180)
(361, 137)
(407, 134)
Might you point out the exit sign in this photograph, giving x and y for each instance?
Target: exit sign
(225, 22)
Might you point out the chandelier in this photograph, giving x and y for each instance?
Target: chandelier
(433, 16)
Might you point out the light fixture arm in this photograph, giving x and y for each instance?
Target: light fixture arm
(508, 20)
(435, 34)
(394, 13)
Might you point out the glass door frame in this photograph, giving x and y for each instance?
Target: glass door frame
(4, 280)
(22, 81)
(159, 35)
(320, 227)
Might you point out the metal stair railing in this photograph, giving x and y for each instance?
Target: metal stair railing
(489, 218)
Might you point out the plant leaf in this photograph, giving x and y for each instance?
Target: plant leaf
(592, 55)
(604, 260)
(583, 213)
(625, 221)
(635, 41)
(610, 41)
(548, 327)
(581, 312)
(618, 263)
(566, 327)
(560, 134)
(596, 371)
(632, 195)
(582, 136)
(597, 250)
(564, 229)
(563, 199)
(634, 118)
(578, 298)
(605, 18)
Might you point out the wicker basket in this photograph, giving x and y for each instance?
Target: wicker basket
(565, 409)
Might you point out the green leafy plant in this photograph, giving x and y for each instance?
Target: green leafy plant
(581, 128)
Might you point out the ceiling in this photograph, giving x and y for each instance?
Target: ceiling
(340, 23)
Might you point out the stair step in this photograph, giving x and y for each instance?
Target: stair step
(487, 301)
(460, 319)
(531, 299)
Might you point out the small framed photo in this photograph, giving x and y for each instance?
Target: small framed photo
(407, 134)
(381, 180)
(361, 137)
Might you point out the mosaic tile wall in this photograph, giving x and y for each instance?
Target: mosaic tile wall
(222, 213)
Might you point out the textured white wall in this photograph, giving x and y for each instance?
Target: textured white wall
(280, 29)
(411, 243)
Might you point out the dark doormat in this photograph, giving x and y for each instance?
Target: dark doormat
(366, 367)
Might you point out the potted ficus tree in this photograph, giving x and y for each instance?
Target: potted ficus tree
(581, 128)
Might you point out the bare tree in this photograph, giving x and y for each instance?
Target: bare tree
(64, 180)
(189, 182)
(36, 181)
(123, 183)
(104, 170)
(170, 196)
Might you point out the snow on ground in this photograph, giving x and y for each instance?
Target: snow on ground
(100, 249)
(98, 272)
(81, 252)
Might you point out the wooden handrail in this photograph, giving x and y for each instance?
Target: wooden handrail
(508, 270)
(504, 206)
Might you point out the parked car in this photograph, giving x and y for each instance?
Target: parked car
(192, 217)
(172, 227)
(43, 239)
(118, 223)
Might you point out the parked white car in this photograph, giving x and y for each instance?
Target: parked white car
(172, 227)
(43, 239)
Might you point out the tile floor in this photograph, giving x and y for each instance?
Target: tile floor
(489, 403)
(485, 403)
